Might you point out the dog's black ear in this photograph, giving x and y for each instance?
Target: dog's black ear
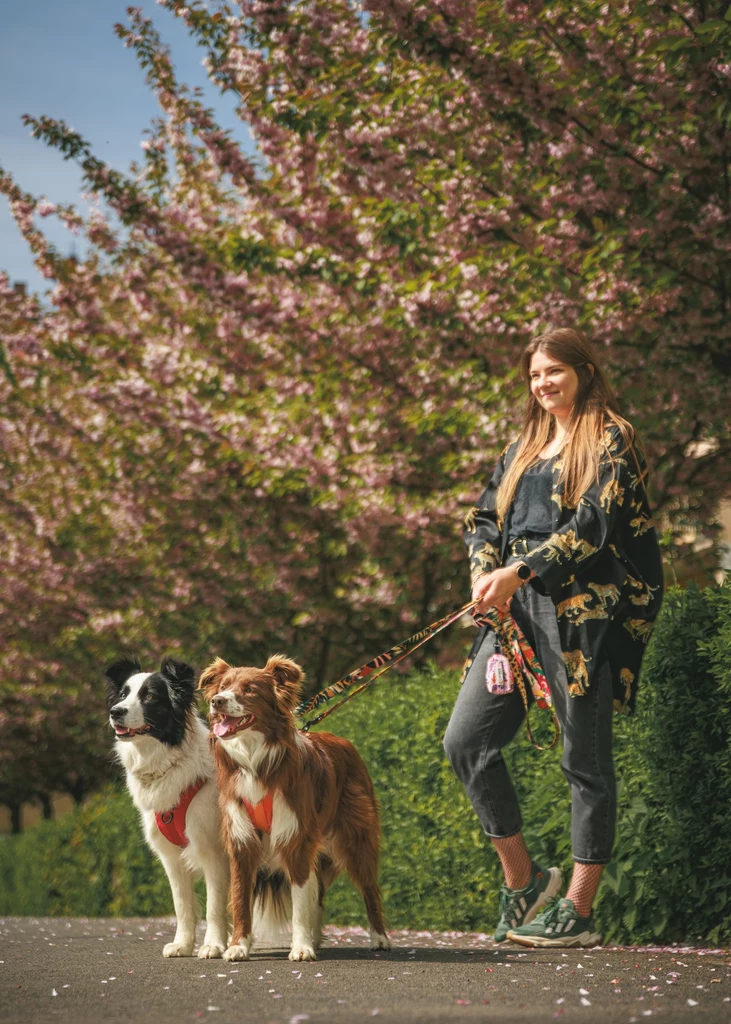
(180, 677)
(288, 676)
(118, 673)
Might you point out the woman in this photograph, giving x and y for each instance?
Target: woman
(561, 536)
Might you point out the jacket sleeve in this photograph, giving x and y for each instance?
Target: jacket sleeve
(482, 531)
(581, 541)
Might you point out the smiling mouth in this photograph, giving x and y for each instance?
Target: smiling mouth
(123, 733)
(229, 725)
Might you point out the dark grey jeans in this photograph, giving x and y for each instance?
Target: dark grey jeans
(483, 723)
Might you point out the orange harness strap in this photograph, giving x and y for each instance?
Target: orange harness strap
(172, 823)
(261, 813)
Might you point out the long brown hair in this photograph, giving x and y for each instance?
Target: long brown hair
(595, 408)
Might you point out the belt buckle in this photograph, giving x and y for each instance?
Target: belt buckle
(520, 546)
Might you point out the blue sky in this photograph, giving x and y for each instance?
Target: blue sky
(62, 58)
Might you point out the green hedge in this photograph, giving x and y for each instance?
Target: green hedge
(671, 876)
(91, 862)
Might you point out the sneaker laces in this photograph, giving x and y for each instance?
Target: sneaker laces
(551, 910)
(510, 902)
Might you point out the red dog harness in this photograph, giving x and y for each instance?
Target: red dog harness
(172, 823)
(261, 813)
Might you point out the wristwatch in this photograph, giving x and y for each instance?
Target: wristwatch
(524, 571)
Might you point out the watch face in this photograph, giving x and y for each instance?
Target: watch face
(524, 572)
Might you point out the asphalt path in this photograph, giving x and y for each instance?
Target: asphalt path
(85, 971)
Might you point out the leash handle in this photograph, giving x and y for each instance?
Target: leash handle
(382, 664)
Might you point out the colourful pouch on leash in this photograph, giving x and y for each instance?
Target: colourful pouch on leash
(498, 674)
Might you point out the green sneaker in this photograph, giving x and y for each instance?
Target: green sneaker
(558, 925)
(519, 906)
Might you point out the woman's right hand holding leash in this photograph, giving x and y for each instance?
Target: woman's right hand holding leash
(494, 590)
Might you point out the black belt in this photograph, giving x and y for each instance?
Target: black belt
(522, 545)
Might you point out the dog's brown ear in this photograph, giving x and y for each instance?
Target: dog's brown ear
(288, 675)
(209, 677)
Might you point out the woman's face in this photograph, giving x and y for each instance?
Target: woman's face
(553, 383)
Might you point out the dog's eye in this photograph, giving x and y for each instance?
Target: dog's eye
(249, 689)
(147, 698)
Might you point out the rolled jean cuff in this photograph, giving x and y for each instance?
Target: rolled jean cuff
(508, 836)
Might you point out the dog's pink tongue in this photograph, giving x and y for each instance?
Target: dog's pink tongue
(225, 726)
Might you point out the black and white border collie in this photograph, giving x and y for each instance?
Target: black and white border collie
(164, 747)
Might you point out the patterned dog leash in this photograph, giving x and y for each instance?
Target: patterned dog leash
(522, 658)
(379, 665)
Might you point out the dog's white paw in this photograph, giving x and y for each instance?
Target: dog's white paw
(210, 952)
(380, 941)
(302, 952)
(236, 953)
(177, 949)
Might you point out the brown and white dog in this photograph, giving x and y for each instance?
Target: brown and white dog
(296, 809)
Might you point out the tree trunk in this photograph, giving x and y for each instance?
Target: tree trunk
(429, 594)
(325, 645)
(15, 819)
(47, 807)
(78, 791)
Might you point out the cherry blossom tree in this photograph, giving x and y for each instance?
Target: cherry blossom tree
(254, 411)
(51, 740)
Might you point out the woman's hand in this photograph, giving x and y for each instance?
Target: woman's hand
(496, 589)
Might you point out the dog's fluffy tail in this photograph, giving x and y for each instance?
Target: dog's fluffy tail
(272, 911)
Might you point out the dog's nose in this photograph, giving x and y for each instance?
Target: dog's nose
(117, 713)
(218, 701)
